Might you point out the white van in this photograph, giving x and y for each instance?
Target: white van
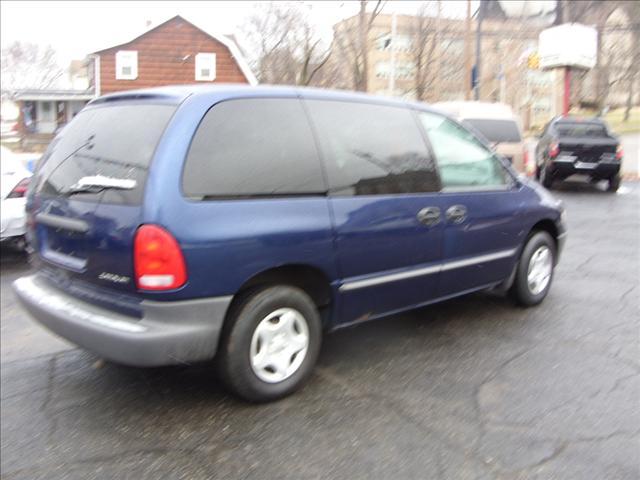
(497, 123)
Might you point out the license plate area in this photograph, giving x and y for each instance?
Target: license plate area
(586, 165)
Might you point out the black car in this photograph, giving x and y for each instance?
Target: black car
(570, 145)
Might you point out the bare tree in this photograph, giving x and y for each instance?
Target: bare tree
(425, 39)
(28, 65)
(352, 39)
(288, 48)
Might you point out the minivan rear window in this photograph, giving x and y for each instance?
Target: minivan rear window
(115, 142)
(495, 131)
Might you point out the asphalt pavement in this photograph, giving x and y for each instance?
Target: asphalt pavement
(631, 149)
(474, 388)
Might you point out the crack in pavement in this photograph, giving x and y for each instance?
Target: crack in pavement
(393, 406)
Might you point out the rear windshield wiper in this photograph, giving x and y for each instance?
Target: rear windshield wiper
(98, 183)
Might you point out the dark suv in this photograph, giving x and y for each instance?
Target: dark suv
(177, 224)
(570, 145)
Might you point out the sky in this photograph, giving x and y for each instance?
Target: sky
(75, 29)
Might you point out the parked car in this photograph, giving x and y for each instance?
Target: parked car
(177, 224)
(13, 188)
(9, 130)
(497, 123)
(570, 145)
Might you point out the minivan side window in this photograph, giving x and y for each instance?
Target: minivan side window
(253, 147)
(372, 149)
(462, 159)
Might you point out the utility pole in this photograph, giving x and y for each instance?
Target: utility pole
(476, 87)
(467, 55)
(392, 45)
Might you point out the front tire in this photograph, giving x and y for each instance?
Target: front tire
(535, 270)
(271, 344)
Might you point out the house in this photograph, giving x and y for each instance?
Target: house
(173, 52)
(43, 110)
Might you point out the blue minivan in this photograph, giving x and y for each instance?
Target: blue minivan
(179, 224)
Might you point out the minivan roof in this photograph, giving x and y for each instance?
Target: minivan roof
(468, 110)
(178, 93)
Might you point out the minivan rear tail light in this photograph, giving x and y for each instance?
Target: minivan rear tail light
(157, 259)
(20, 190)
(554, 149)
(619, 152)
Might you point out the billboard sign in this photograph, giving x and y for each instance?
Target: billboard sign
(568, 45)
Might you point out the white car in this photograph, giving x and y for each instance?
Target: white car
(13, 192)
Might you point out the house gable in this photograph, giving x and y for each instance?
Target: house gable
(166, 55)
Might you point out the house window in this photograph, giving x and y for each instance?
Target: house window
(400, 43)
(126, 65)
(403, 70)
(206, 67)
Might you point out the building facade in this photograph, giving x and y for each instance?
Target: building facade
(426, 56)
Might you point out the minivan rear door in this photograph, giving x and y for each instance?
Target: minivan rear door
(385, 205)
(86, 202)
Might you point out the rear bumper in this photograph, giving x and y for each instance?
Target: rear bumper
(561, 168)
(169, 332)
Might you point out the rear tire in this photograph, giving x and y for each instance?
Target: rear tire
(534, 272)
(258, 360)
(545, 179)
(614, 183)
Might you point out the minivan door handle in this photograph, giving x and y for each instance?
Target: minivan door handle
(456, 213)
(429, 216)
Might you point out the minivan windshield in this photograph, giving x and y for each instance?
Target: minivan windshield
(495, 130)
(103, 150)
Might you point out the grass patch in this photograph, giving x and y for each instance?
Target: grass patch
(614, 119)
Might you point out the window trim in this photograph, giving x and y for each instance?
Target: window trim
(200, 58)
(511, 178)
(121, 58)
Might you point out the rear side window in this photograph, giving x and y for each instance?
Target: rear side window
(372, 149)
(116, 142)
(462, 159)
(495, 131)
(253, 147)
(577, 129)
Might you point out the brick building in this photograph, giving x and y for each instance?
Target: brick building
(174, 52)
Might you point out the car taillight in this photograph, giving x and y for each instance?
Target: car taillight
(619, 152)
(157, 259)
(20, 190)
(554, 149)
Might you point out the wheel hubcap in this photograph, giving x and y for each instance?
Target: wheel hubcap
(540, 268)
(279, 345)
